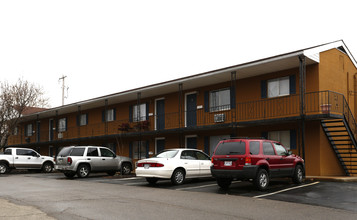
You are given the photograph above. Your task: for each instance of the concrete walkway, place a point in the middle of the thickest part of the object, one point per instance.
(13, 211)
(333, 178)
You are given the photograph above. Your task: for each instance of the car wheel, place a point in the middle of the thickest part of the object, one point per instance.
(151, 180)
(3, 168)
(178, 177)
(47, 167)
(262, 180)
(83, 171)
(298, 177)
(69, 174)
(224, 183)
(125, 169)
(111, 173)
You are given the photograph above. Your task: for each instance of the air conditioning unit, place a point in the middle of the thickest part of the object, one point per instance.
(219, 118)
(60, 135)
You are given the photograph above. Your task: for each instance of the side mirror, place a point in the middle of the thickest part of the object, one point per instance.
(289, 153)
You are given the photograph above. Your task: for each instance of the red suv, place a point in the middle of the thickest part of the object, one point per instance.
(254, 159)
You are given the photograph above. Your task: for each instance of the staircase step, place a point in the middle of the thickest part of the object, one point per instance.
(332, 121)
(337, 131)
(334, 126)
(339, 135)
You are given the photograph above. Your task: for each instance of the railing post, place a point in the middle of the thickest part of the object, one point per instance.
(302, 69)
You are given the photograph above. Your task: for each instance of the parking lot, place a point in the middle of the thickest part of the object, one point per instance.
(339, 195)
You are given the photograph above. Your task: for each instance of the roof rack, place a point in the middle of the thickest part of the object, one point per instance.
(263, 138)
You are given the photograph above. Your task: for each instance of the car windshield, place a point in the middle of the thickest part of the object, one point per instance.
(167, 154)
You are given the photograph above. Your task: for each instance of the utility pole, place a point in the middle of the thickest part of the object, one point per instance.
(63, 87)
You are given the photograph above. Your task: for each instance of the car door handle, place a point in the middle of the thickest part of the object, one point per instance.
(16, 157)
(281, 158)
(268, 158)
(103, 159)
(88, 158)
(29, 158)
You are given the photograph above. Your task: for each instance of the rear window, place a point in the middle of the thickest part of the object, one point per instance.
(231, 148)
(65, 152)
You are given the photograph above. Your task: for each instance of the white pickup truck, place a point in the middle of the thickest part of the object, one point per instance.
(24, 158)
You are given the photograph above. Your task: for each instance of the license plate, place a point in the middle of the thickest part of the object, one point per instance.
(146, 166)
(227, 163)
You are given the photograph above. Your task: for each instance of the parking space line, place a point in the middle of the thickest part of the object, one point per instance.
(203, 186)
(284, 190)
(130, 178)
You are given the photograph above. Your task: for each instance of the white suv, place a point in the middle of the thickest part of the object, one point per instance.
(82, 160)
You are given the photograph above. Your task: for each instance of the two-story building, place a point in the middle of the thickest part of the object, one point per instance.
(305, 99)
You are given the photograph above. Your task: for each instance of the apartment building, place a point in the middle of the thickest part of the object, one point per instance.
(305, 99)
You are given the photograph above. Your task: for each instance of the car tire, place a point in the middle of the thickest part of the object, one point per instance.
(83, 171)
(151, 180)
(298, 176)
(178, 177)
(47, 167)
(125, 169)
(224, 183)
(111, 173)
(69, 174)
(261, 181)
(4, 168)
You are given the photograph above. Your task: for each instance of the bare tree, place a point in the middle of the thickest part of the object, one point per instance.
(14, 100)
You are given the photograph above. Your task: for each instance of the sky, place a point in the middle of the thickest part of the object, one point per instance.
(105, 47)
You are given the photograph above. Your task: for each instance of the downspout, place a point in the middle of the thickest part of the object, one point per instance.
(302, 75)
(180, 107)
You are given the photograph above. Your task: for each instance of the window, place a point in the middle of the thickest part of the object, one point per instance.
(77, 152)
(62, 124)
(278, 87)
(26, 152)
(92, 152)
(254, 147)
(8, 151)
(220, 100)
(106, 153)
(281, 136)
(83, 119)
(139, 112)
(15, 131)
(188, 155)
(280, 150)
(231, 148)
(110, 115)
(202, 156)
(268, 148)
(28, 130)
(139, 149)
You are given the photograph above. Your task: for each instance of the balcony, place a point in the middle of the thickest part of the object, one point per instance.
(318, 105)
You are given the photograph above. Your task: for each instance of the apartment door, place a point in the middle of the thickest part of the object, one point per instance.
(160, 114)
(191, 106)
(160, 145)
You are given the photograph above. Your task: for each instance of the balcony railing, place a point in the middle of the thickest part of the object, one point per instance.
(322, 104)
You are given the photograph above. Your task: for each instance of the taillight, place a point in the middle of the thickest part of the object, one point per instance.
(248, 161)
(69, 160)
(150, 165)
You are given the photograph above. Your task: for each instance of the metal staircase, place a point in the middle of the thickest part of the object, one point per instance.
(343, 142)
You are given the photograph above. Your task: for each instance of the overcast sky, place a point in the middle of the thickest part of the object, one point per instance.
(104, 47)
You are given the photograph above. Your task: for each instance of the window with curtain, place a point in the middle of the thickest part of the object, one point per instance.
(28, 130)
(278, 87)
(62, 124)
(139, 112)
(281, 136)
(139, 149)
(110, 115)
(83, 119)
(220, 100)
